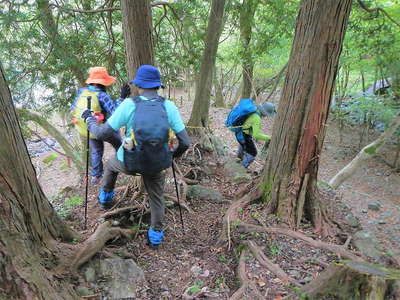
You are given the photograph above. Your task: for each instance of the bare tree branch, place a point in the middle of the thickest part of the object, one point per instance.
(377, 10)
(100, 10)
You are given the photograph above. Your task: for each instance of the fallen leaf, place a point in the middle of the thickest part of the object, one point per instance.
(278, 298)
(261, 283)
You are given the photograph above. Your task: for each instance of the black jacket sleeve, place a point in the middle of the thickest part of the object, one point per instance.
(184, 143)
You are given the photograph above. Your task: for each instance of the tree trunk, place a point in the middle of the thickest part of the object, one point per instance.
(137, 27)
(247, 12)
(28, 223)
(352, 280)
(201, 105)
(219, 88)
(365, 154)
(299, 129)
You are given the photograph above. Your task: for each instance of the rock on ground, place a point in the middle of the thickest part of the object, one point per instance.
(123, 276)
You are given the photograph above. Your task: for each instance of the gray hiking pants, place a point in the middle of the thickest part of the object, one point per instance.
(153, 184)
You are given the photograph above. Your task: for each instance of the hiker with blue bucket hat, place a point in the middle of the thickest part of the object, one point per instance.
(146, 149)
(245, 121)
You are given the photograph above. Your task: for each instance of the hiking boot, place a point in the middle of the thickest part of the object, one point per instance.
(95, 180)
(247, 160)
(154, 238)
(105, 199)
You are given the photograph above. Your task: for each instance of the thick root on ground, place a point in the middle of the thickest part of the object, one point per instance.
(93, 244)
(231, 214)
(267, 263)
(340, 250)
(248, 289)
(353, 280)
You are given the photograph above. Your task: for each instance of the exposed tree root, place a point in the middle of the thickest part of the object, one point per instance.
(182, 177)
(243, 227)
(231, 214)
(92, 245)
(248, 289)
(267, 263)
(182, 203)
(122, 210)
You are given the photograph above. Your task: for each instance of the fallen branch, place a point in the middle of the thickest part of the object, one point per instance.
(266, 262)
(243, 227)
(366, 153)
(55, 133)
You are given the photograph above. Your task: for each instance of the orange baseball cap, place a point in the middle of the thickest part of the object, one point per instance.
(100, 75)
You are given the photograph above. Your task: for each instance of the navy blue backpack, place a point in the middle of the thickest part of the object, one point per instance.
(239, 114)
(150, 126)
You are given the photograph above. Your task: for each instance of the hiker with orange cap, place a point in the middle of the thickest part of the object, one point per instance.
(102, 106)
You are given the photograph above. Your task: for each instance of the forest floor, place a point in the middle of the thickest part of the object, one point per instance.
(191, 261)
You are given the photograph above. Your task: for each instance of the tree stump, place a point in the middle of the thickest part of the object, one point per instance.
(353, 280)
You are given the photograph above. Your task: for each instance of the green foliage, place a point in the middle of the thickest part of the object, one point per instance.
(222, 259)
(274, 249)
(73, 202)
(48, 160)
(196, 287)
(375, 111)
(69, 204)
(64, 166)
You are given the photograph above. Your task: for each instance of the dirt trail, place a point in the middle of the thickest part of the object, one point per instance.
(191, 258)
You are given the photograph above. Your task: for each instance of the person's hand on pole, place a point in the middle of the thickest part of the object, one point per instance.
(87, 113)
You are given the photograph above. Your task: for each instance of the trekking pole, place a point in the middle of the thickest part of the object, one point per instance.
(89, 102)
(177, 194)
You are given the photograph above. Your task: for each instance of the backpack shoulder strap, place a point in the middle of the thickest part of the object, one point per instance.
(137, 99)
(160, 99)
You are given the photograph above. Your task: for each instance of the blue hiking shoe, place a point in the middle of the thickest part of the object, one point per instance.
(155, 238)
(247, 160)
(105, 199)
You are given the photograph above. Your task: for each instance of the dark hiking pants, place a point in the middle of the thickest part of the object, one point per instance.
(247, 146)
(153, 184)
(97, 151)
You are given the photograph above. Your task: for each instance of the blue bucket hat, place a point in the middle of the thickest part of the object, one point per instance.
(147, 77)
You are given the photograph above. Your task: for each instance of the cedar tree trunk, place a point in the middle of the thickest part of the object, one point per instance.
(137, 27)
(201, 105)
(290, 176)
(29, 225)
(246, 23)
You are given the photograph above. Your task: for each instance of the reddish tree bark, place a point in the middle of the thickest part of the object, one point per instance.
(290, 175)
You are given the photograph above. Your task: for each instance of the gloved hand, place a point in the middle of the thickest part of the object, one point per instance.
(125, 91)
(87, 113)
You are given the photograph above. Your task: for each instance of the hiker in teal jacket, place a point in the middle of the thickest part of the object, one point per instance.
(251, 128)
(148, 81)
